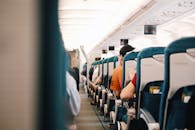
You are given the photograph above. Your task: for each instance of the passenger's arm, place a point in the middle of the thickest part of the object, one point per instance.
(128, 91)
(94, 84)
(98, 80)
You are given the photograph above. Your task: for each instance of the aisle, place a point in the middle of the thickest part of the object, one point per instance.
(87, 119)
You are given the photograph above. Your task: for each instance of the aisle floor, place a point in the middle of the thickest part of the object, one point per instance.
(87, 119)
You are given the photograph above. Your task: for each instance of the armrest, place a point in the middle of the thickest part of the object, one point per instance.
(110, 95)
(118, 102)
(99, 89)
(150, 121)
(153, 126)
(103, 90)
(147, 116)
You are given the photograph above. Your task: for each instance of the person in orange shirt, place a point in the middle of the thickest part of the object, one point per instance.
(116, 81)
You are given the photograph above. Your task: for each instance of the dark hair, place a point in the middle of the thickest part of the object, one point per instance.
(126, 49)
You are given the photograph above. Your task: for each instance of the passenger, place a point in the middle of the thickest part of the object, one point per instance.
(73, 73)
(95, 81)
(116, 81)
(73, 101)
(95, 78)
(95, 74)
(84, 71)
(84, 75)
(76, 69)
(91, 70)
(129, 91)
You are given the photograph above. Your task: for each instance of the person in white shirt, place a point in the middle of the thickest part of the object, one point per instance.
(73, 101)
(93, 84)
(95, 74)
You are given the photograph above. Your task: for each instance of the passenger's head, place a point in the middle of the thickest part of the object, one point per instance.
(123, 51)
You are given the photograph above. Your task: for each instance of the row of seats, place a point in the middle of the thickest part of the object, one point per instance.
(165, 82)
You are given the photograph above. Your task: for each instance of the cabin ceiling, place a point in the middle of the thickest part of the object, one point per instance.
(88, 22)
(169, 16)
(96, 24)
